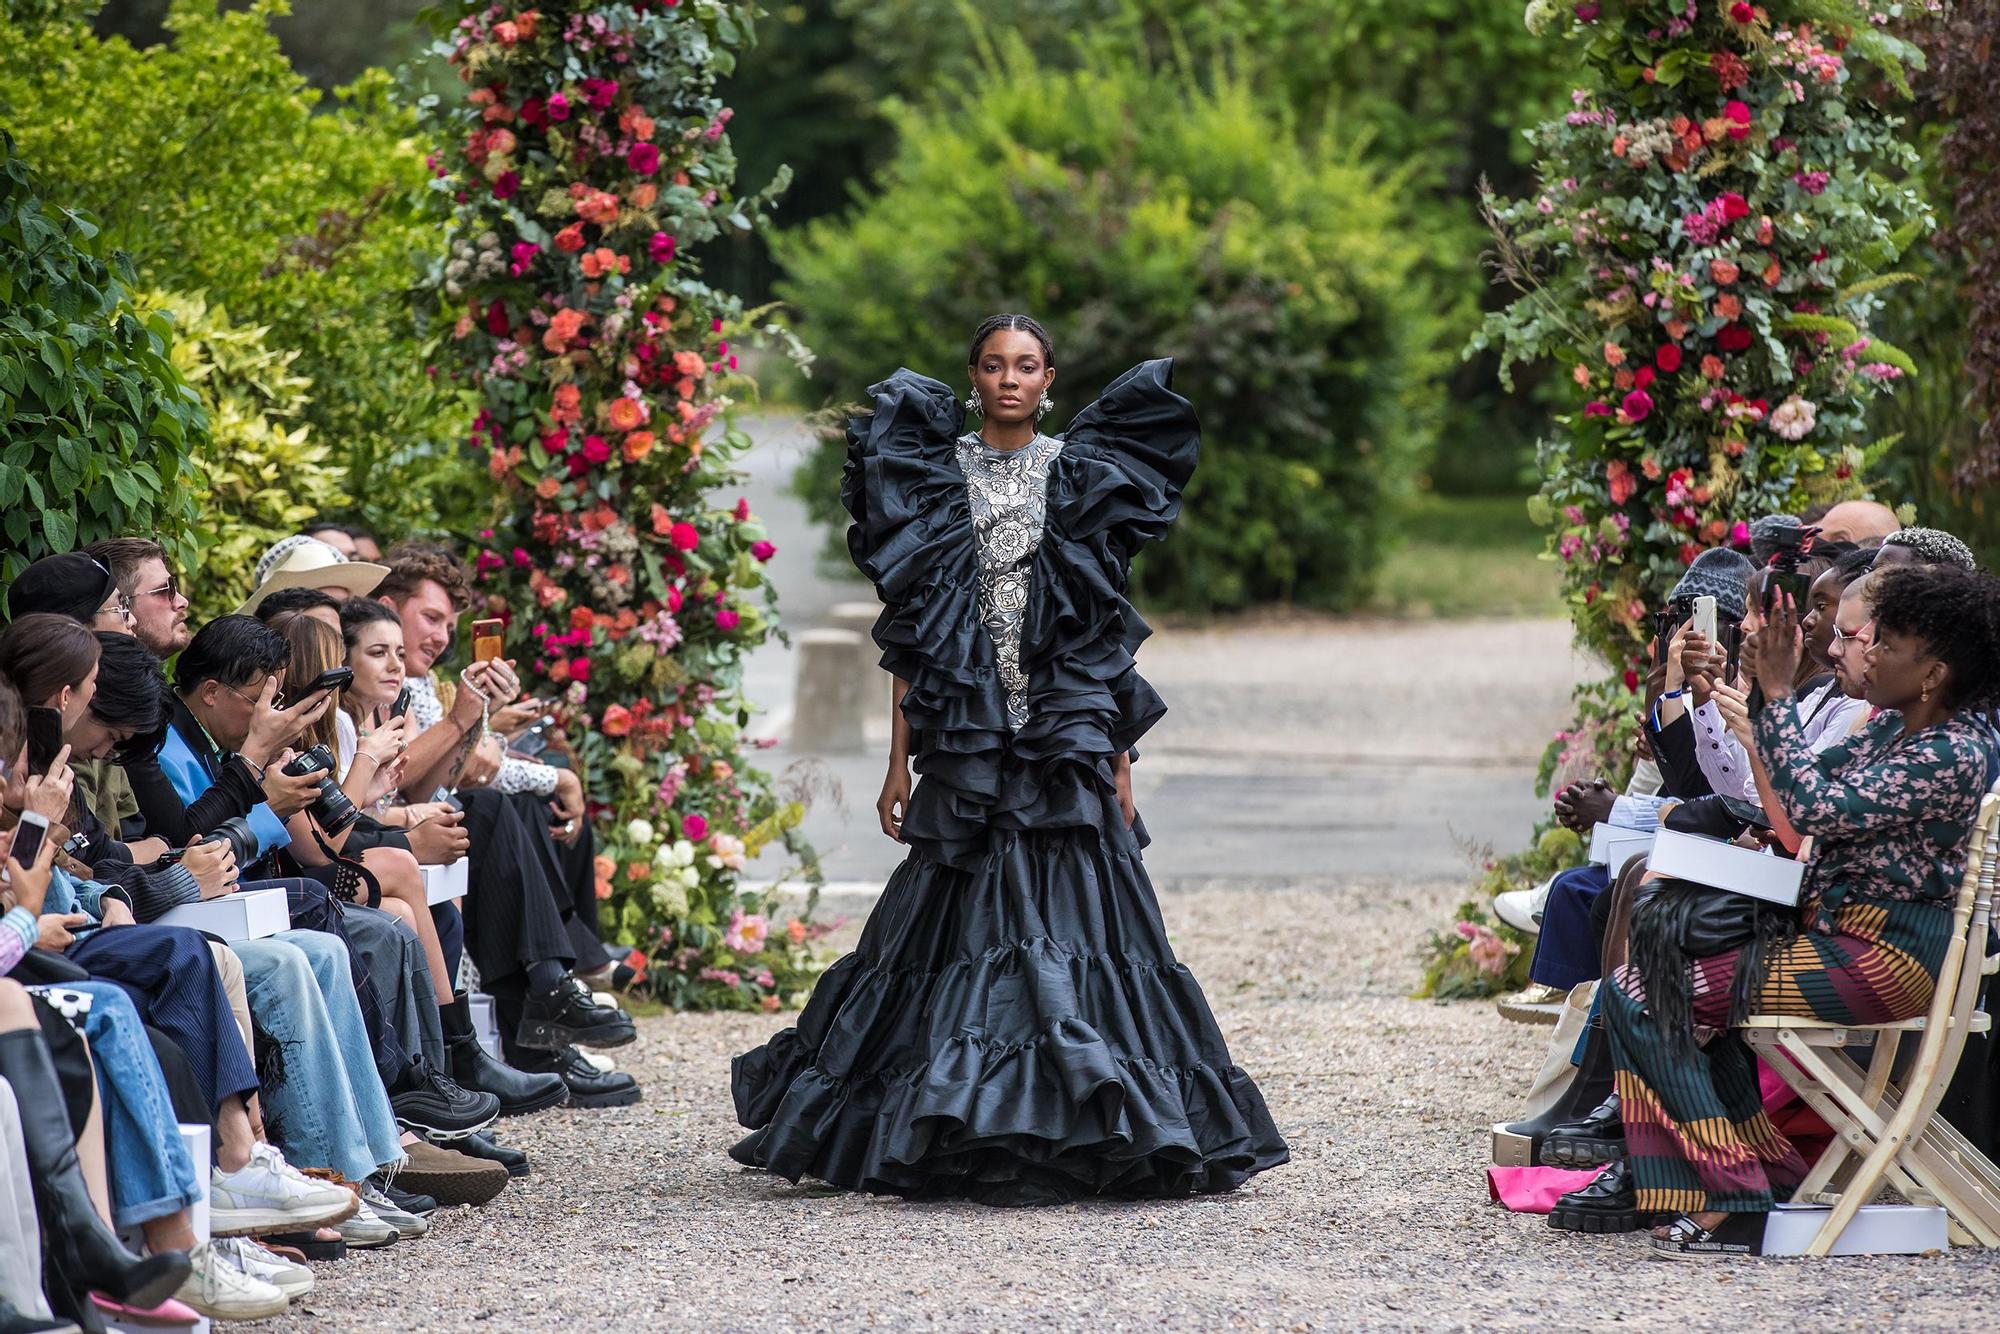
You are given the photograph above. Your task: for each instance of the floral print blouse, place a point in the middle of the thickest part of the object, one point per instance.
(1890, 814)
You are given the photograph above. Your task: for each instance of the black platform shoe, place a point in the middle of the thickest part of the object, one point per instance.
(473, 1067)
(1596, 1138)
(1607, 1204)
(481, 1146)
(588, 1086)
(567, 1016)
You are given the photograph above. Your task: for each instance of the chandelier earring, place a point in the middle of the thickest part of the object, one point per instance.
(974, 404)
(1046, 406)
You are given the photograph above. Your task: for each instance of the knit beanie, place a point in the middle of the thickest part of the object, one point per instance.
(1722, 574)
(71, 585)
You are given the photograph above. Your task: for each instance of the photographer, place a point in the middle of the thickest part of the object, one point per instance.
(531, 913)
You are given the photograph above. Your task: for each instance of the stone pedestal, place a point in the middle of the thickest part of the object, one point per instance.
(835, 685)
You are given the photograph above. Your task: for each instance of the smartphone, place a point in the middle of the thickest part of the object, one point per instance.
(333, 678)
(1786, 581)
(28, 838)
(486, 640)
(45, 738)
(402, 704)
(1704, 618)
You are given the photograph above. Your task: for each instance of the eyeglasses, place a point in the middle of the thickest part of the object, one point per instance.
(120, 607)
(169, 590)
(1860, 638)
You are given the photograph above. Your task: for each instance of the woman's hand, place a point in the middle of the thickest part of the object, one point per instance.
(1121, 780)
(29, 885)
(1773, 653)
(48, 794)
(1734, 706)
(386, 779)
(894, 802)
(384, 743)
(518, 717)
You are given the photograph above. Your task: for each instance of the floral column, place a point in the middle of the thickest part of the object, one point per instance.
(588, 155)
(1716, 215)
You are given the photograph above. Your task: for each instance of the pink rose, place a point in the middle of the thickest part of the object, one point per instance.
(596, 448)
(507, 186)
(643, 158)
(660, 248)
(763, 550)
(1637, 405)
(558, 107)
(685, 537)
(579, 669)
(727, 619)
(694, 828)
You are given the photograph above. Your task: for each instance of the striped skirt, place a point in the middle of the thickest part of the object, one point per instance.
(1695, 1130)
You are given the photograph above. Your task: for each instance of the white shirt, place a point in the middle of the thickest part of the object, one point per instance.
(516, 775)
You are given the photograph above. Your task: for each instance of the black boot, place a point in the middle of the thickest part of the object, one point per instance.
(1589, 1086)
(431, 1102)
(474, 1067)
(80, 1245)
(480, 1146)
(1607, 1204)
(1595, 1138)
(567, 1017)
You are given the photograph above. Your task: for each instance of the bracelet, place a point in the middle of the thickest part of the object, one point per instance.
(1673, 694)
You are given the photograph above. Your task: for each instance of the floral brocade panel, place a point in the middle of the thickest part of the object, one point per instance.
(1008, 492)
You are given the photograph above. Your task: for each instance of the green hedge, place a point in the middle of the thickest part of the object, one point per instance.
(1139, 215)
(96, 428)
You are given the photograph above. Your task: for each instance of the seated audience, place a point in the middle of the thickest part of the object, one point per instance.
(1890, 808)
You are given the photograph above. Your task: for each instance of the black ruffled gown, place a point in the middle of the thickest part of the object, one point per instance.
(1013, 1027)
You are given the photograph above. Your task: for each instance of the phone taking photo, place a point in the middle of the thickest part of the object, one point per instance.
(1703, 622)
(45, 738)
(28, 836)
(333, 678)
(487, 639)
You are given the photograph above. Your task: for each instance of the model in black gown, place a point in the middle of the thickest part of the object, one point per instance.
(1013, 1027)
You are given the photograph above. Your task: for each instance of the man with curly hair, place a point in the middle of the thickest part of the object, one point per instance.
(1924, 546)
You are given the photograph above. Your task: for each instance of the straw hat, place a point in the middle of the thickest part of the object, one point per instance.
(307, 562)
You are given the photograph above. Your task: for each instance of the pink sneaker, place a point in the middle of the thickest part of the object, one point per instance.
(169, 1314)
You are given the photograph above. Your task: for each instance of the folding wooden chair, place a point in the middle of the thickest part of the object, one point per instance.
(1885, 1131)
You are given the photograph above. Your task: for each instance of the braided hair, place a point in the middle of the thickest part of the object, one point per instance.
(994, 324)
(1956, 613)
(1933, 546)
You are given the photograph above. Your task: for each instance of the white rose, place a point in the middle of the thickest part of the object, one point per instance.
(640, 831)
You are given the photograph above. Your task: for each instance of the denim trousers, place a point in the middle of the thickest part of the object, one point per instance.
(151, 1173)
(324, 1105)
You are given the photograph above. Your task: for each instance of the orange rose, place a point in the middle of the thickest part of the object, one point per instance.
(627, 414)
(795, 931)
(598, 206)
(559, 671)
(617, 720)
(1771, 272)
(570, 239)
(564, 326)
(638, 445)
(604, 866)
(637, 871)
(525, 21)
(644, 193)
(1728, 306)
(770, 1004)
(548, 488)
(689, 363)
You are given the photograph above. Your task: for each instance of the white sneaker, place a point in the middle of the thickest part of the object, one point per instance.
(221, 1291)
(597, 1061)
(288, 1277)
(268, 1194)
(1522, 908)
(606, 999)
(364, 1231)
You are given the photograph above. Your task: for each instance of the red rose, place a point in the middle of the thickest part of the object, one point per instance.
(534, 111)
(1742, 13)
(1733, 206)
(1637, 405)
(1631, 679)
(496, 319)
(596, 448)
(507, 186)
(1642, 377)
(685, 536)
(1668, 358)
(1738, 116)
(1733, 337)
(579, 669)
(643, 158)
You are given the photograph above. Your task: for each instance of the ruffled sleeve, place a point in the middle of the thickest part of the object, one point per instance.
(901, 482)
(1126, 459)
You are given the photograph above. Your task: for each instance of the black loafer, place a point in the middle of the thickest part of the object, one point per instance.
(1607, 1204)
(1595, 1139)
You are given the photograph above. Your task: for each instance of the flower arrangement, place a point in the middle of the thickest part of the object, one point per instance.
(1702, 260)
(587, 156)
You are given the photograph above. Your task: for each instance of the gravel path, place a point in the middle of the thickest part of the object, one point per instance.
(636, 1218)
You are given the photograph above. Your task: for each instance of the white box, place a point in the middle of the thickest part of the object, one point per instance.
(485, 1023)
(1611, 845)
(247, 914)
(444, 883)
(1719, 865)
(1877, 1229)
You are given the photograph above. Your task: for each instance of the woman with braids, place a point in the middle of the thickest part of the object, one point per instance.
(1890, 809)
(1013, 1027)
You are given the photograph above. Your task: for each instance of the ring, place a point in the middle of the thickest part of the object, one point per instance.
(569, 826)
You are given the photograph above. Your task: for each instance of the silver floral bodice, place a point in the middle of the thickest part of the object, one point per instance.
(1008, 490)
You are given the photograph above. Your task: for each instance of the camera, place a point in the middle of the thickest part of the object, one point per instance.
(331, 809)
(240, 838)
(1791, 547)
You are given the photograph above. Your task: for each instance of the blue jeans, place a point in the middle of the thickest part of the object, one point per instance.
(151, 1173)
(324, 1105)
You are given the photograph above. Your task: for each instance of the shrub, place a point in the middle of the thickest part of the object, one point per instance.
(98, 428)
(263, 477)
(1138, 214)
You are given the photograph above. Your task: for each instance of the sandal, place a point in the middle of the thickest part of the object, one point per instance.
(1738, 1234)
(320, 1244)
